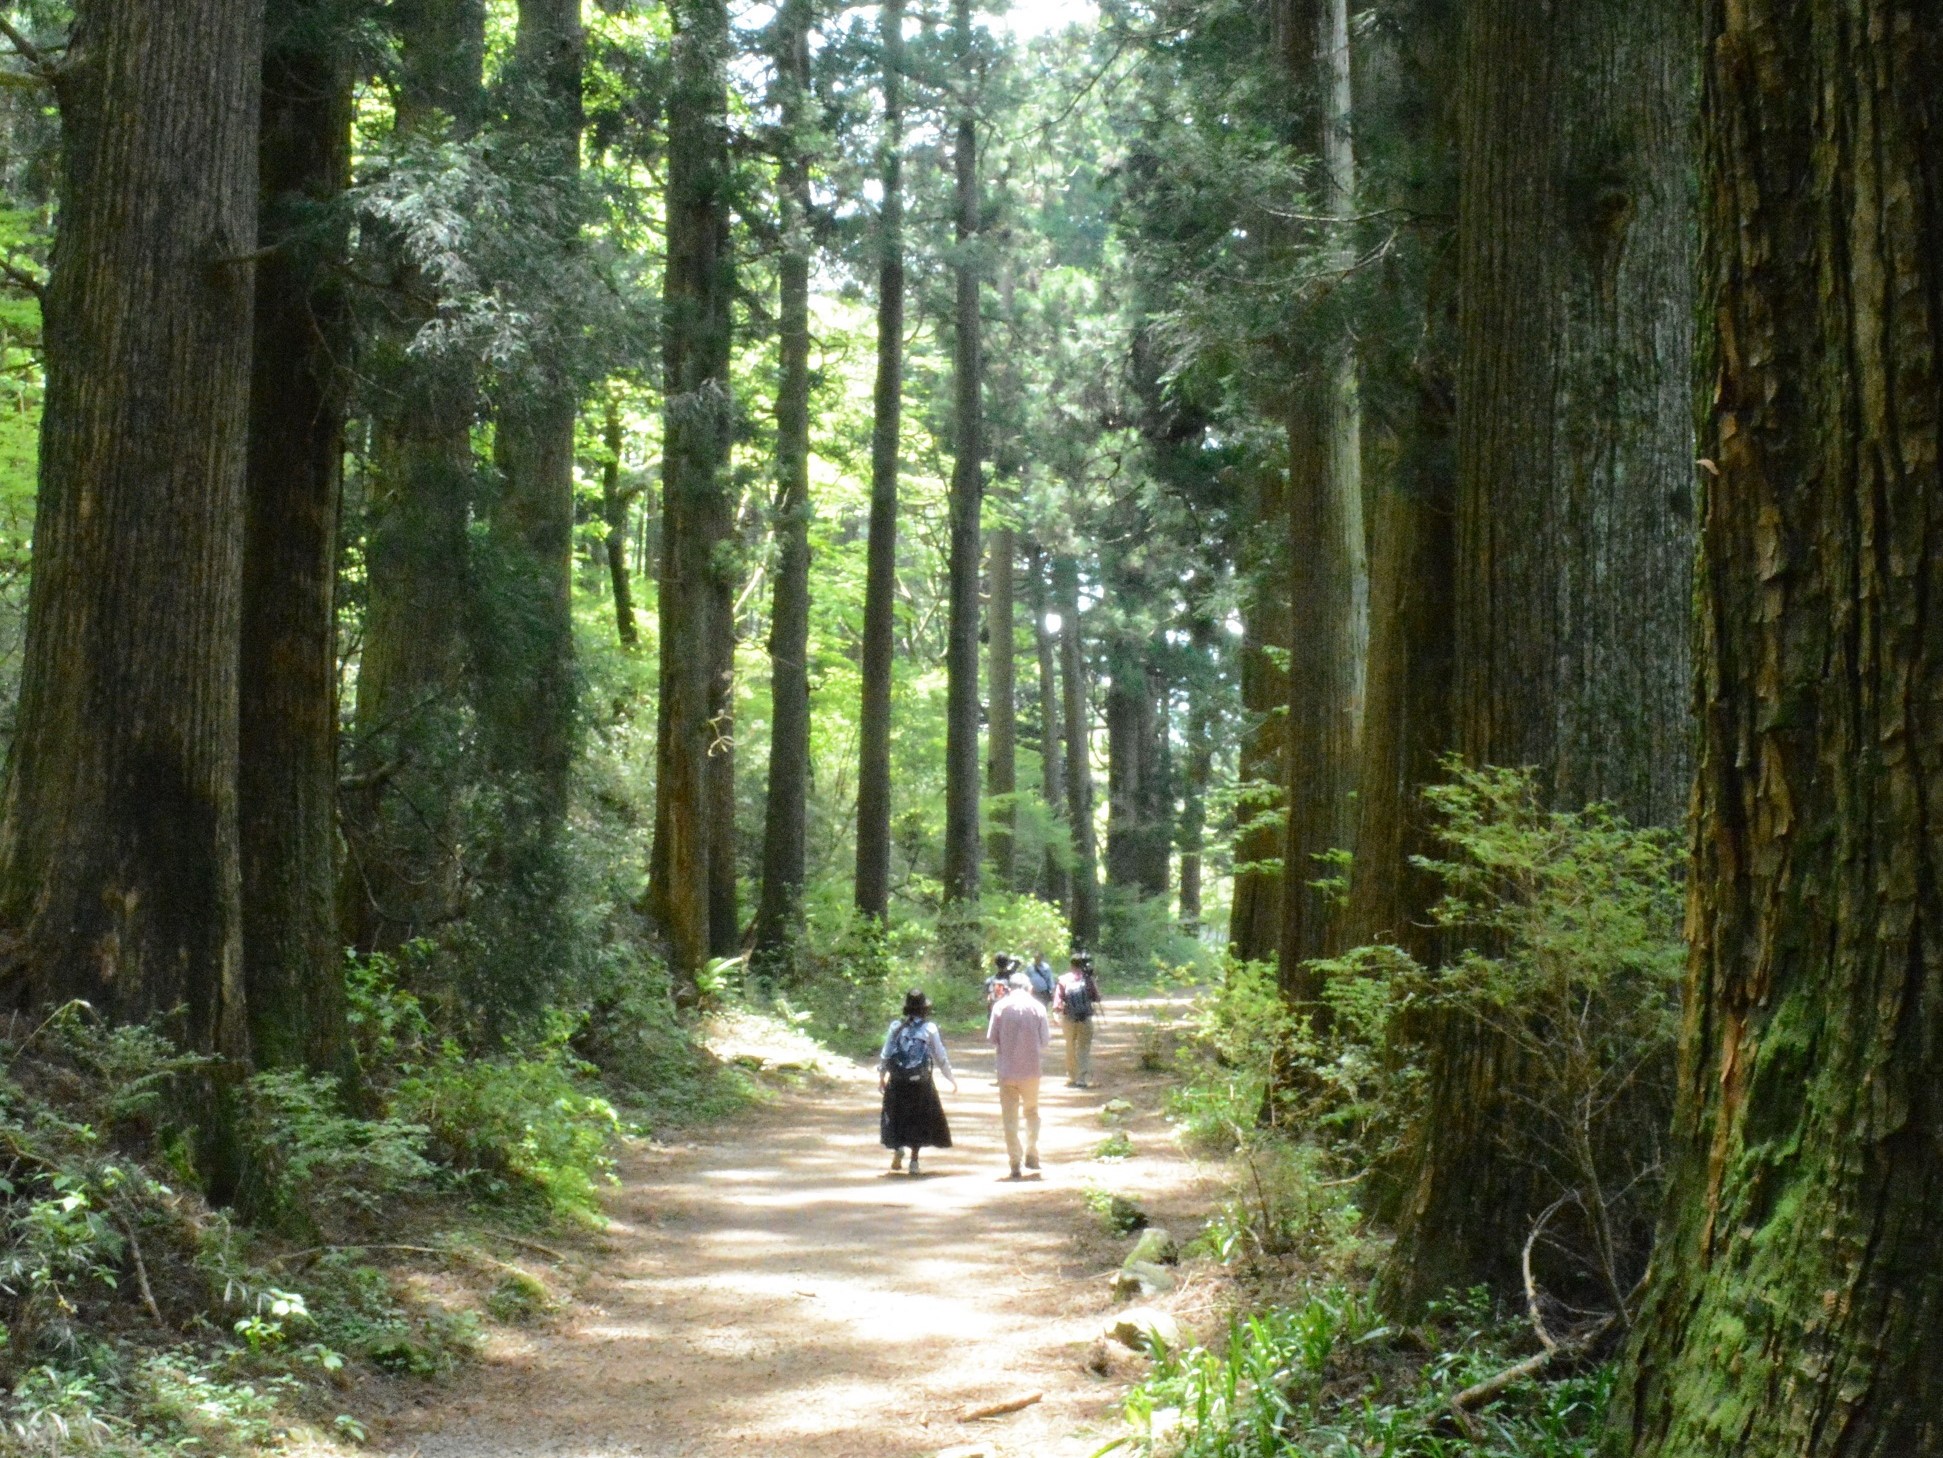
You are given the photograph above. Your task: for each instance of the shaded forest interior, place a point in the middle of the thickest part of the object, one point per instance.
(1425, 516)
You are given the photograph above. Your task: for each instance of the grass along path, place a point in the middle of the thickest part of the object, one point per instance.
(771, 1289)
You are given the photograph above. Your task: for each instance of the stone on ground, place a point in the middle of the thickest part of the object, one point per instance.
(1140, 1327)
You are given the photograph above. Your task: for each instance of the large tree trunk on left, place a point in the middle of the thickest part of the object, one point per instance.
(1574, 484)
(119, 853)
(786, 813)
(961, 849)
(697, 294)
(1796, 1295)
(287, 755)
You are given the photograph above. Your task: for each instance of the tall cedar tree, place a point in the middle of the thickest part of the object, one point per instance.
(1198, 776)
(696, 512)
(967, 488)
(526, 652)
(873, 886)
(614, 505)
(786, 817)
(1328, 568)
(287, 744)
(1574, 483)
(1079, 754)
(1255, 912)
(401, 878)
(1002, 730)
(1055, 876)
(1796, 1296)
(119, 854)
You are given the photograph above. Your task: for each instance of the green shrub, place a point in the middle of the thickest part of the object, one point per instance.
(321, 1169)
(1120, 1214)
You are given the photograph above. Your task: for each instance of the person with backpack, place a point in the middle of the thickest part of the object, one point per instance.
(913, 1116)
(1076, 1000)
(999, 983)
(1041, 978)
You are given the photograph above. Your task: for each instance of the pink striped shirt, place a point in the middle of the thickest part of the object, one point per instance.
(1020, 1030)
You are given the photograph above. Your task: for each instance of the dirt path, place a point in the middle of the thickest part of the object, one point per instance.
(773, 1290)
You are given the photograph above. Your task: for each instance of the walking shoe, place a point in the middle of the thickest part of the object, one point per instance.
(914, 1161)
(1032, 1161)
(897, 1160)
(1015, 1173)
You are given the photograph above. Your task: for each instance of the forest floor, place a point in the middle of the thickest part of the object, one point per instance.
(769, 1288)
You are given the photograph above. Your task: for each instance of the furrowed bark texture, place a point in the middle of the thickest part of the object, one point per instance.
(119, 851)
(1796, 1294)
(401, 877)
(1255, 917)
(1328, 563)
(1079, 755)
(614, 504)
(287, 743)
(1574, 483)
(967, 489)
(873, 885)
(786, 823)
(1198, 773)
(526, 653)
(1002, 732)
(696, 513)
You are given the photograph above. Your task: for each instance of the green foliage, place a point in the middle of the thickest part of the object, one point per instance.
(319, 1168)
(1228, 1061)
(1325, 1378)
(1116, 1146)
(1120, 1214)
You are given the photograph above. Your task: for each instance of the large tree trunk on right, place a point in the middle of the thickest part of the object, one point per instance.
(1574, 479)
(119, 853)
(873, 885)
(961, 845)
(287, 741)
(1079, 755)
(785, 814)
(698, 288)
(1796, 1296)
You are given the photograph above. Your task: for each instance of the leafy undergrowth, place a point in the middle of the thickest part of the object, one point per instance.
(1326, 1377)
(368, 1239)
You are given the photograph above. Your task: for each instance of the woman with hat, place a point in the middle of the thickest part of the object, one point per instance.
(913, 1116)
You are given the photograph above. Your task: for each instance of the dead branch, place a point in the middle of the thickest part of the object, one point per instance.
(1000, 1409)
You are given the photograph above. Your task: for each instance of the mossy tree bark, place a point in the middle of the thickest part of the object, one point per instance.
(1574, 485)
(786, 814)
(873, 884)
(1796, 1297)
(119, 853)
(1255, 915)
(697, 295)
(287, 735)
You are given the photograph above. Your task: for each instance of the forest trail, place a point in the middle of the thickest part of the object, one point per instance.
(772, 1289)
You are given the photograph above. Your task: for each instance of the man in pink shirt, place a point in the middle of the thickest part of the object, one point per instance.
(1020, 1031)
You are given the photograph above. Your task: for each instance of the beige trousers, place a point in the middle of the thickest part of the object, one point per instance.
(1079, 1049)
(1016, 1096)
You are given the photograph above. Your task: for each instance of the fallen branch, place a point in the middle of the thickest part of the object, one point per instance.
(1000, 1409)
(1479, 1393)
(141, 1269)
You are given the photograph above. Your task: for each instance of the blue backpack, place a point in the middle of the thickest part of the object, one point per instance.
(910, 1053)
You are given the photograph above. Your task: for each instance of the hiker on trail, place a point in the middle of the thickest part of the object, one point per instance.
(1077, 1001)
(1040, 975)
(913, 1117)
(1020, 1031)
(999, 983)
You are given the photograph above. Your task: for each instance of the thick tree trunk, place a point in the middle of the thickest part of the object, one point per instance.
(961, 855)
(873, 886)
(401, 877)
(1574, 476)
(1193, 823)
(1079, 755)
(1002, 715)
(1328, 566)
(614, 505)
(697, 293)
(287, 742)
(1155, 802)
(1126, 751)
(119, 852)
(786, 823)
(1055, 876)
(1255, 917)
(1796, 1296)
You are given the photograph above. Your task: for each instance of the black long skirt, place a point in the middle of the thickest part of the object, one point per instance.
(913, 1117)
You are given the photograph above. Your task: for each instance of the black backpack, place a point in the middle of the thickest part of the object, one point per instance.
(910, 1053)
(1077, 1002)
